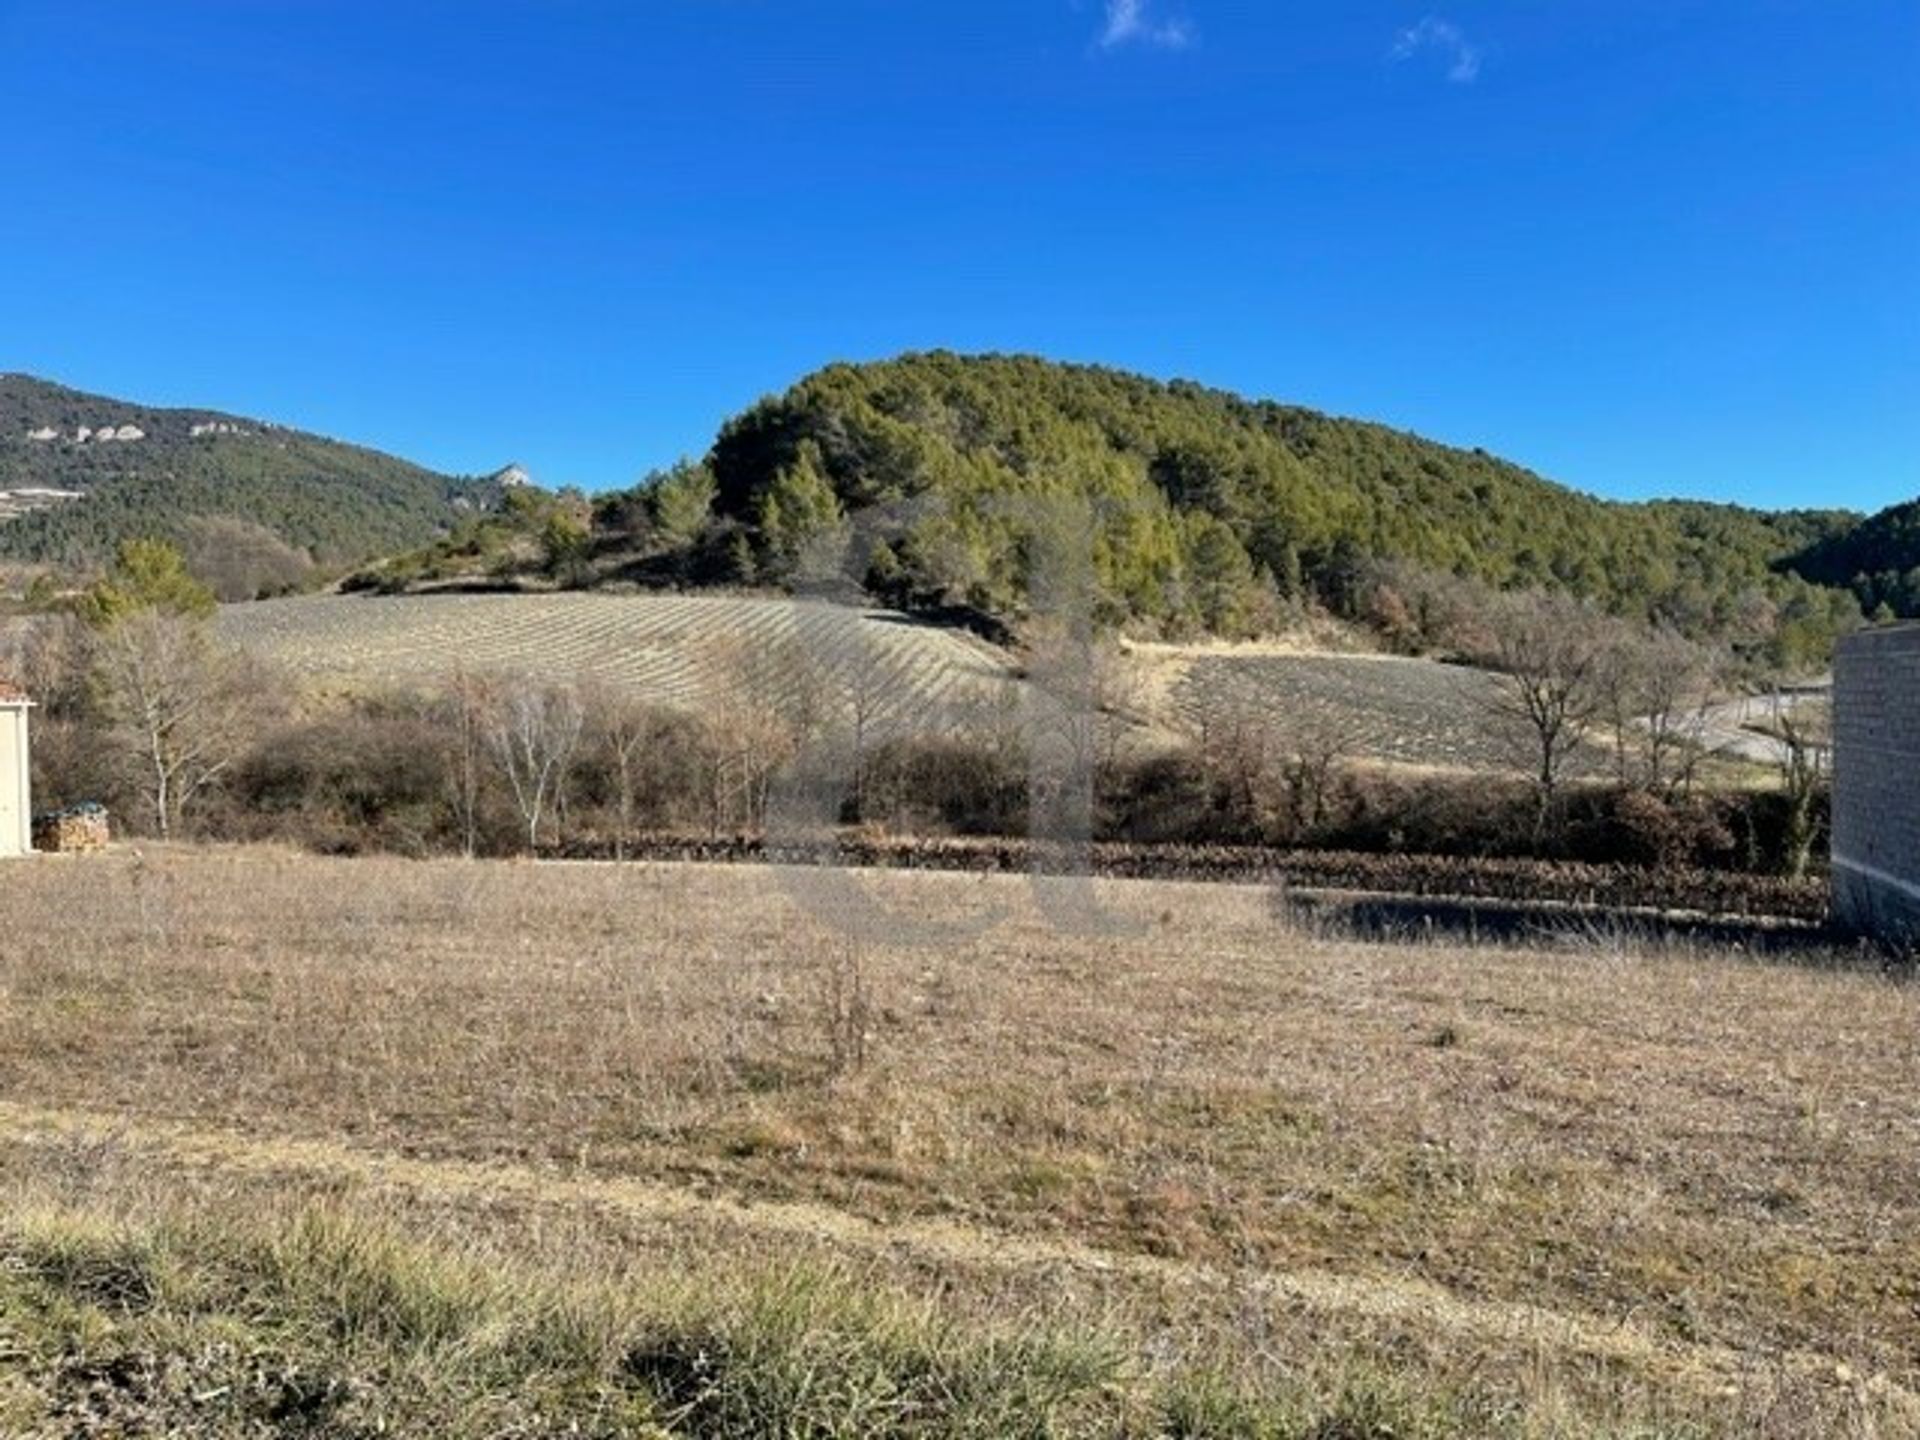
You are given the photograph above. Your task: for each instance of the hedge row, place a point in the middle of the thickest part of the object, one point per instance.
(1672, 888)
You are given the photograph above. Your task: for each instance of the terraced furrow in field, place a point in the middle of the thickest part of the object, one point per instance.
(689, 651)
(1382, 708)
(679, 650)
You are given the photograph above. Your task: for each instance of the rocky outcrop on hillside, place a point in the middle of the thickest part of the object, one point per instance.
(88, 434)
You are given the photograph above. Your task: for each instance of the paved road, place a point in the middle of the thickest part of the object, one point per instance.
(1724, 729)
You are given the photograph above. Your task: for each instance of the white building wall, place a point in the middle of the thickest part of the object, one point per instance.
(16, 803)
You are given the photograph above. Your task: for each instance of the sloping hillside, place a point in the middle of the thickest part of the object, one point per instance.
(1879, 560)
(1210, 504)
(88, 471)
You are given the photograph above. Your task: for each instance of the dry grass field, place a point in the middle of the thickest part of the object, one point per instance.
(361, 1147)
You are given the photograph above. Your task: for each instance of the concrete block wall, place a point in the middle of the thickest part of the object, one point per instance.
(1876, 783)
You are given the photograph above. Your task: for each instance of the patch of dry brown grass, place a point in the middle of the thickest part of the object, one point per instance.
(1615, 1182)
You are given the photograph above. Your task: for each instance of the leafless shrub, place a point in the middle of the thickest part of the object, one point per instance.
(1241, 757)
(949, 783)
(354, 778)
(847, 1009)
(240, 560)
(1421, 610)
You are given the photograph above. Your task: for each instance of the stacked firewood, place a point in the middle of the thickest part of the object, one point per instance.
(76, 830)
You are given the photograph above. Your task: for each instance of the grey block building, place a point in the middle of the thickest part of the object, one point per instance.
(1876, 783)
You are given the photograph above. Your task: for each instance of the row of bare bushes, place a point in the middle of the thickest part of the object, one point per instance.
(1565, 882)
(504, 769)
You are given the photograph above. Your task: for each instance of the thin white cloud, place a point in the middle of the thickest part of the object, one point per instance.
(1132, 22)
(1445, 39)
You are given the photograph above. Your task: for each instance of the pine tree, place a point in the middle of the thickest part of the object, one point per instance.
(797, 507)
(147, 575)
(1222, 577)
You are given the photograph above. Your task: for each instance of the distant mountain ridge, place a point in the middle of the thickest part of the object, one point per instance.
(80, 472)
(1213, 504)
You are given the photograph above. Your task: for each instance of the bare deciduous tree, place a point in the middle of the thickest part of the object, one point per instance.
(181, 708)
(468, 706)
(1549, 683)
(47, 656)
(1317, 748)
(1275, 773)
(1091, 697)
(1240, 753)
(1657, 686)
(1806, 741)
(859, 686)
(624, 730)
(766, 701)
(534, 731)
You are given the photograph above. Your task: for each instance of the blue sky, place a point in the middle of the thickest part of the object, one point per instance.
(1646, 248)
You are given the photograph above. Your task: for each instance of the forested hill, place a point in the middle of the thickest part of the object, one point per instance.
(144, 471)
(1879, 559)
(1216, 501)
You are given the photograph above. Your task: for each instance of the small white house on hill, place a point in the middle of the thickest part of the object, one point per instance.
(16, 800)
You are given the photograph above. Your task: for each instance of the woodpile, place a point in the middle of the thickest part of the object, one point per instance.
(78, 830)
